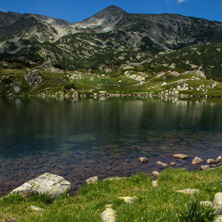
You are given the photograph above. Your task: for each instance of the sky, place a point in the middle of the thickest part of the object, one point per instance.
(78, 10)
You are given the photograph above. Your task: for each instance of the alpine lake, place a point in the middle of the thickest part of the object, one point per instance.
(103, 137)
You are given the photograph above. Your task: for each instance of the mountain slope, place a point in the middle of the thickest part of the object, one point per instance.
(112, 36)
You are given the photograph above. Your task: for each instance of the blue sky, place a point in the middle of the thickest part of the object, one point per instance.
(75, 11)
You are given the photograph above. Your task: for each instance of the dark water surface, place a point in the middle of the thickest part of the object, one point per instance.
(80, 139)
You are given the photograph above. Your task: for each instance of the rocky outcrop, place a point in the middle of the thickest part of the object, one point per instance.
(34, 78)
(47, 183)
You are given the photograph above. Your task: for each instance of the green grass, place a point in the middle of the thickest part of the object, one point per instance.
(162, 203)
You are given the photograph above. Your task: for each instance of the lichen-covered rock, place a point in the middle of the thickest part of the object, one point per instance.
(37, 209)
(218, 200)
(50, 184)
(34, 77)
(188, 191)
(197, 160)
(109, 215)
(128, 199)
(206, 203)
(154, 183)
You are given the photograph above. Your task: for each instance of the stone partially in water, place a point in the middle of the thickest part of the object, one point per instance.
(219, 159)
(92, 180)
(162, 164)
(197, 160)
(47, 183)
(155, 173)
(181, 156)
(204, 167)
(143, 159)
(211, 161)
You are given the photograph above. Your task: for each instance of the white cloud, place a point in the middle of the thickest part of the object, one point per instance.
(2, 10)
(180, 1)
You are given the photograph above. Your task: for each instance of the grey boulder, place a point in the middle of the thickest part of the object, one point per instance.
(47, 183)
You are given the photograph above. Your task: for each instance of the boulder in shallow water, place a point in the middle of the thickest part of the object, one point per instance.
(197, 160)
(162, 164)
(180, 156)
(143, 159)
(219, 159)
(47, 183)
(211, 161)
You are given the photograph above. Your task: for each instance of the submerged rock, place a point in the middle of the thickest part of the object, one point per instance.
(50, 184)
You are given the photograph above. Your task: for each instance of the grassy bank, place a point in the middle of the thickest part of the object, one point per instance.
(161, 203)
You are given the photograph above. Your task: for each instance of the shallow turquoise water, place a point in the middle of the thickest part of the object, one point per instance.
(79, 139)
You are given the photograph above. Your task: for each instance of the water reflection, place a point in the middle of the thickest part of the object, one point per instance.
(79, 139)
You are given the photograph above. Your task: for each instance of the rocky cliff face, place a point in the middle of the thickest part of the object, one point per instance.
(110, 36)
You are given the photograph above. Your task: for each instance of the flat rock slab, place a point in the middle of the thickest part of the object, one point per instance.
(128, 199)
(181, 156)
(109, 215)
(188, 191)
(162, 164)
(197, 160)
(50, 184)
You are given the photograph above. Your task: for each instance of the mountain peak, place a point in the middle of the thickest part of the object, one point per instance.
(105, 20)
